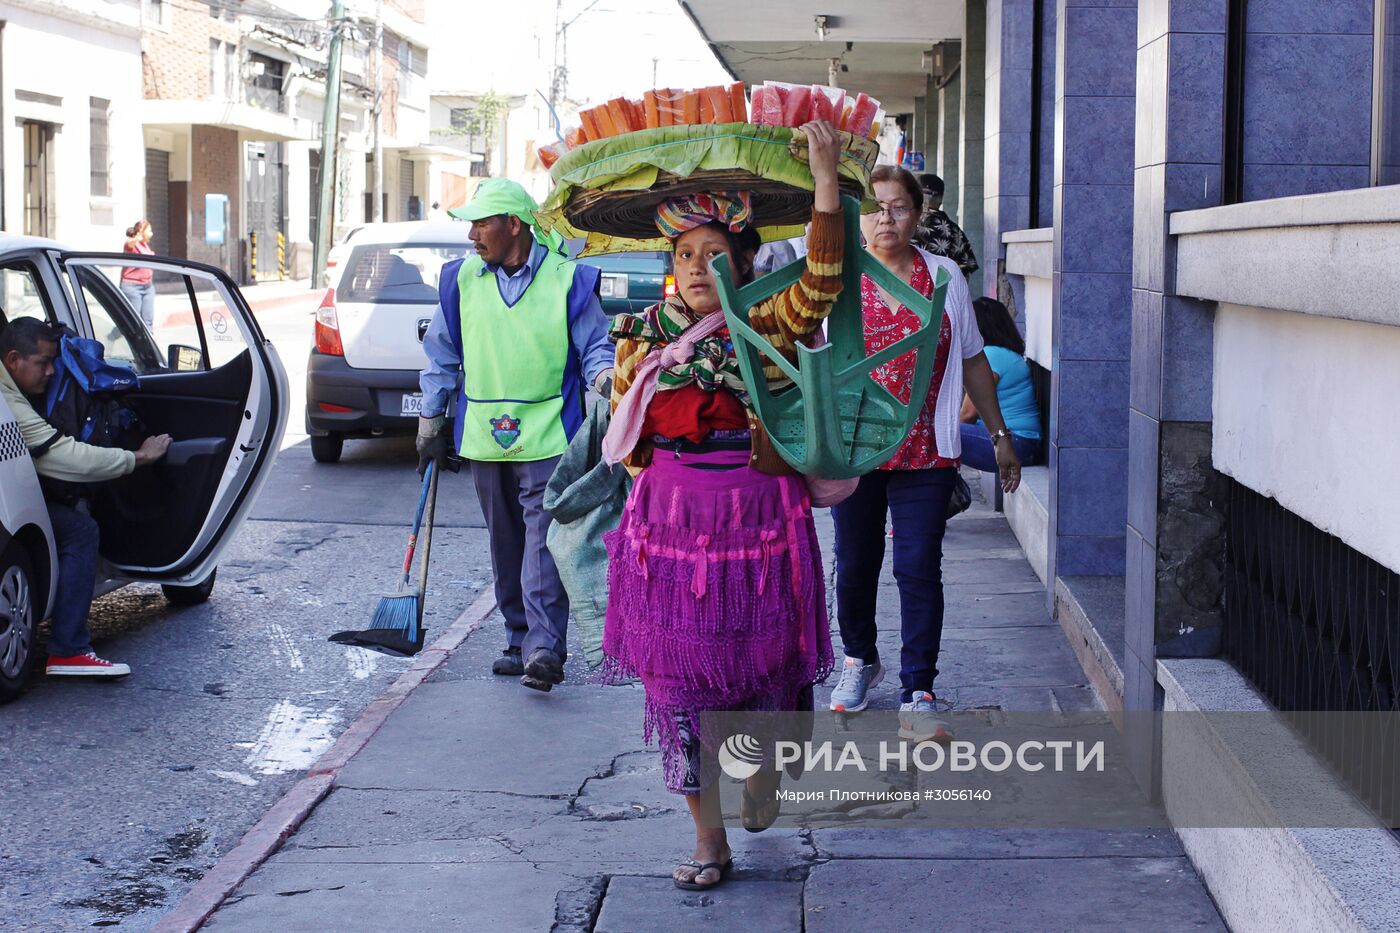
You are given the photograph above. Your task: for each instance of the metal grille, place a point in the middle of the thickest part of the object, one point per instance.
(11, 442)
(1315, 625)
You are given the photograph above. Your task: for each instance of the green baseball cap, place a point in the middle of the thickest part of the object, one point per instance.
(497, 196)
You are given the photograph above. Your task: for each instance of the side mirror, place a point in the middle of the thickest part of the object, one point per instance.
(184, 359)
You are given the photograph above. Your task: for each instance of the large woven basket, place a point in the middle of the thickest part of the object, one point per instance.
(607, 191)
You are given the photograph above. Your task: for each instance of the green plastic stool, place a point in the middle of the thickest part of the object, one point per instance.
(835, 421)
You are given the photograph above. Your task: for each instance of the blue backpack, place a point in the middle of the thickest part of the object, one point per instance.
(83, 401)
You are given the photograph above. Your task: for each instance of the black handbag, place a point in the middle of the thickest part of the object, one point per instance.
(961, 499)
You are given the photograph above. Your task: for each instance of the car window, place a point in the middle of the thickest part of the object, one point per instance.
(188, 331)
(385, 273)
(20, 294)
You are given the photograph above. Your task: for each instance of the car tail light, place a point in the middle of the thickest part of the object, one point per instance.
(669, 290)
(327, 406)
(328, 327)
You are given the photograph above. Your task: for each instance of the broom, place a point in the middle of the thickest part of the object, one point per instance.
(397, 625)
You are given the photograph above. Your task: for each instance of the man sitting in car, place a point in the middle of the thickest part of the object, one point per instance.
(27, 348)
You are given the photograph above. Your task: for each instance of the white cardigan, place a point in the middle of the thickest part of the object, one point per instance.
(966, 343)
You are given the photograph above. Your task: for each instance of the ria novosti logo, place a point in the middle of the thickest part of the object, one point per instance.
(740, 756)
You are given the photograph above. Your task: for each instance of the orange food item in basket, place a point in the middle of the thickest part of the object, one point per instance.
(653, 111)
(590, 125)
(669, 106)
(548, 155)
(718, 99)
(738, 106)
(621, 113)
(575, 137)
(605, 121)
(707, 106)
(690, 107)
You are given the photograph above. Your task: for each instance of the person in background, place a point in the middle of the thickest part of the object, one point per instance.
(1006, 352)
(518, 335)
(136, 283)
(28, 347)
(914, 485)
(937, 233)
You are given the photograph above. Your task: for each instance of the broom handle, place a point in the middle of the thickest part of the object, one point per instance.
(429, 479)
(427, 546)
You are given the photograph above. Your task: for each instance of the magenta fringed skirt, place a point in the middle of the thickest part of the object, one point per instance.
(716, 598)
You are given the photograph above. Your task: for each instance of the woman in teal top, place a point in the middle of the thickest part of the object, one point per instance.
(1006, 352)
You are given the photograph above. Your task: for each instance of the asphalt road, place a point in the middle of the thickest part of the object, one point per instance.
(116, 797)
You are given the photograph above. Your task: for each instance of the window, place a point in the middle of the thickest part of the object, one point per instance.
(20, 295)
(413, 64)
(156, 13)
(223, 70)
(198, 331)
(266, 82)
(98, 118)
(395, 275)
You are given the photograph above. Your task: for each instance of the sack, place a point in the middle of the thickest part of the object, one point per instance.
(961, 498)
(82, 402)
(586, 497)
(825, 493)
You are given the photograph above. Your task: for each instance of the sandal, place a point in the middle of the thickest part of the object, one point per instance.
(702, 867)
(752, 805)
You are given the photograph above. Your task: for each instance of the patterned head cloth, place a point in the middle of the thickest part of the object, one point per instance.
(678, 215)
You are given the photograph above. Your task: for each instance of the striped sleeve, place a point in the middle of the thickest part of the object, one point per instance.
(796, 313)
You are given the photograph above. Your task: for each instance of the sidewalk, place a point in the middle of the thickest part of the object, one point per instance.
(480, 805)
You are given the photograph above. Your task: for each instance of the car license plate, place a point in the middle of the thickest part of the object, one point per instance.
(613, 286)
(412, 403)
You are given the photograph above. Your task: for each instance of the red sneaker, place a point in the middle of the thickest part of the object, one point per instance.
(84, 665)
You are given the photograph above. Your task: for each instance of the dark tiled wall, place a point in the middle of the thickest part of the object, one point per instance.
(1095, 106)
(1045, 156)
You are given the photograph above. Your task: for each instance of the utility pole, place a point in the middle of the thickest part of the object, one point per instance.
(330, 137)
(377, 211)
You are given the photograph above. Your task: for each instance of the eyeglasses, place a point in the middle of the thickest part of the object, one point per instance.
(896, 212)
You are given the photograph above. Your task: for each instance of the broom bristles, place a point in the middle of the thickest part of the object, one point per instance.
(397, 612)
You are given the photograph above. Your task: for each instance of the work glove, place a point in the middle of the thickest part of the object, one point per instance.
(603, 383)
(432, 444)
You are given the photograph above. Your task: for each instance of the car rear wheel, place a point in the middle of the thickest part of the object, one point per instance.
(190, 595)
(16, 620)
(326, 448)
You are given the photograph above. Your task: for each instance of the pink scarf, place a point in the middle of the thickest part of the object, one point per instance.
(625, 429)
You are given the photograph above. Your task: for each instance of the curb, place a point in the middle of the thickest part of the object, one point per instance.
(281, 821)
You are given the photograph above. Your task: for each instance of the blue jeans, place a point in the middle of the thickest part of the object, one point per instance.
(978, 452)
(142, 299)
(75, 537)
(917, 501)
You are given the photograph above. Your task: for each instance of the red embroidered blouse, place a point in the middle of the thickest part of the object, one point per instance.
(882, 328)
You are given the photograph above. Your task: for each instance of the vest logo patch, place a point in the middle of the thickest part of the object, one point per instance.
(505, 430)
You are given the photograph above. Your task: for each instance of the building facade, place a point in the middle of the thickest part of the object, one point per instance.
(1192, 208)
(70, 136)
(234, 103)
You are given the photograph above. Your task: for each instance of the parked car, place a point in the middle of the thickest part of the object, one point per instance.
(217, 387)
(633, 281)
(337, 255)
(362, 377)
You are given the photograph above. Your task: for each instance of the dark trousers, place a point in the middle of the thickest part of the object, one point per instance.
(917, 503)
(528, 590)
(979, 453)
(75, 538)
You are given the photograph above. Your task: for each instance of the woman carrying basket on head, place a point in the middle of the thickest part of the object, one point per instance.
(716, 596)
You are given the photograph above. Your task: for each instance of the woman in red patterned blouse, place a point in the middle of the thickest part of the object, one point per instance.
(914, 486)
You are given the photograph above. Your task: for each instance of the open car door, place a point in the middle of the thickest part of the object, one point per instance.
(208, 378)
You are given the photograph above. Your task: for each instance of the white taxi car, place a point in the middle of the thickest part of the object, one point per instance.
(207, 377)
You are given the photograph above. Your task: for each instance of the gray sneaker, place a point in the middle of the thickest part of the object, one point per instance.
(857, 677)
(919, 722)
